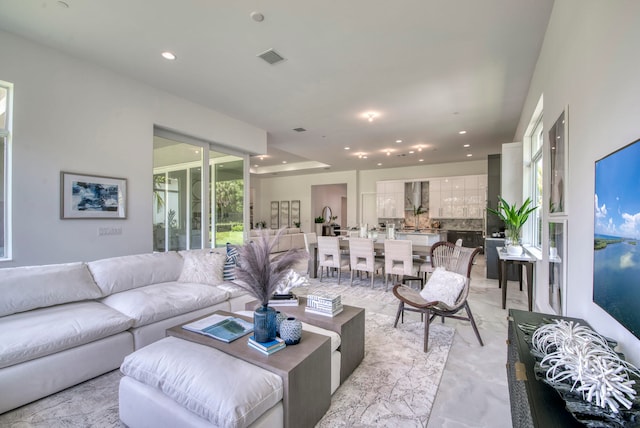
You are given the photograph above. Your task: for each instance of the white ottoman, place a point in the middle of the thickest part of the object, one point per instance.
(174, 382)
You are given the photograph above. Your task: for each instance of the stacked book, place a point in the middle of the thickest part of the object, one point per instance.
(288, 299)
(267, 348)
(322, 303)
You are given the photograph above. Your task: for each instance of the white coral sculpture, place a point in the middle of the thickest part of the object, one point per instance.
(291, 280)
(580, 356)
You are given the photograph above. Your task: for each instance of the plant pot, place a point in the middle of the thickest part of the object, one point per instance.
(264, 324)
(553, 252)
(514, 250)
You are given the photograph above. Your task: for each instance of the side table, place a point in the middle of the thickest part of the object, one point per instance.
(525, 260)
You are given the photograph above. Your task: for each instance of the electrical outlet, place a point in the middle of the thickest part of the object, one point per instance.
(102, 231)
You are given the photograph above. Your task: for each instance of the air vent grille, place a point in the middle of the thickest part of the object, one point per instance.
(271, 56)
(299, 129)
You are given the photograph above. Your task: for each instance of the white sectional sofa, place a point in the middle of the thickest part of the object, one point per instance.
(291, 238)
(63, 324)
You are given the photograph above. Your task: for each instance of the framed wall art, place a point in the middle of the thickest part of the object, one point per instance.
(92, 196)
(558, 146)
(275, 213)
(295, 213)
(284, 214)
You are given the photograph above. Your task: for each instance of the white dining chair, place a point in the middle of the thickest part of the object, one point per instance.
(362, 257)
(399, 261)
(329, 255)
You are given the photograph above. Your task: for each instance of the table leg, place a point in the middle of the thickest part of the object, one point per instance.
(529, 267)
(313, 263)
(519, 267)
(503, 282)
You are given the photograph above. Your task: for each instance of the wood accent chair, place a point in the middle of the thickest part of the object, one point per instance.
(399, 261)
(442, 259)
(453, 259)
(363, 257)
(330, 256)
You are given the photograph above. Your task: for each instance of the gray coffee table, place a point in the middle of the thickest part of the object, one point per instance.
(349, 324)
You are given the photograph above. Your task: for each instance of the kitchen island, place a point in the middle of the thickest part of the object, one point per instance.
(423, 236)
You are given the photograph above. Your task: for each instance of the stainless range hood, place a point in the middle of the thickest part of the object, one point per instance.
(413, 194)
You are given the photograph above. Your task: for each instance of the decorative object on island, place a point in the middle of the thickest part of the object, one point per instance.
(416, 214)
(514, 218)
(319, 221)
(291, 331)
(260, 276)
(583, 368)
(323, 303)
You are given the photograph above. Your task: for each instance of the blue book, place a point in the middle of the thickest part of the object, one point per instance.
(252, 344)
(221, 327)
(266, 345)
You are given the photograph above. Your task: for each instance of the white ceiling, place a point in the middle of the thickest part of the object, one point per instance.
(429, 68)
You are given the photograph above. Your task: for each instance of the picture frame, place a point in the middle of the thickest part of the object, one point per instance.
(84, 196)
(558, 155)
(295, 212)
(284, 214)
(275, 215)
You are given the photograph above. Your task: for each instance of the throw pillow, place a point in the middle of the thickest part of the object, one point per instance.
(202, 267)
(443, 286)
(229, 273)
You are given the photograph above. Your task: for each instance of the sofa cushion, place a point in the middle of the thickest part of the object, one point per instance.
(124, 273)
(225, 390)
(443, 286)
(202, 267)
(40, 332)
(232, 289)
(31, 287)
(158, 302)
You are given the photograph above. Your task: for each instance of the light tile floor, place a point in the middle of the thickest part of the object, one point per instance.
(473, 391)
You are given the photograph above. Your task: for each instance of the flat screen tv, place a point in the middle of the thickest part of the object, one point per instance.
(616, 255)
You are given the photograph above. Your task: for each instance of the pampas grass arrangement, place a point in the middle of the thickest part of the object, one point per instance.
(260, 274)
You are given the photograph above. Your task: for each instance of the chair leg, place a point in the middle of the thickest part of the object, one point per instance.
(400, 311)
(321, 272)
(339, 272)
(351, 277)
(426, 330)
(373, 275)
(473, 323)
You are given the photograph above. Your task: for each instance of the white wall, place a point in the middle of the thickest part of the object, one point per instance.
(511, 173)
(589, 62)
(70, 115)
(269, 189)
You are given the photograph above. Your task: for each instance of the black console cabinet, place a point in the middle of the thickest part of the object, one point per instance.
(533, 402)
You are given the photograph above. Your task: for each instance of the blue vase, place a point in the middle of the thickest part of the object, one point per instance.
(264, 324)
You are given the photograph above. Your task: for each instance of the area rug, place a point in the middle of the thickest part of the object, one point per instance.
(395, 385)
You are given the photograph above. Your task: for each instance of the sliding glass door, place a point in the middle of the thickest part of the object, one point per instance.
(184, 189)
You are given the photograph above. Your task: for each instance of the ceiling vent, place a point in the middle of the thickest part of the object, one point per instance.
(271, 56)
(299, 129)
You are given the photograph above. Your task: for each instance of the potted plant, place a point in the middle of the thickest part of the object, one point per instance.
(319, 221)
(261, 275)
(514, 218)
(416, 214)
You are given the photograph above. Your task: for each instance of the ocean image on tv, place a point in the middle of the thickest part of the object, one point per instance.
(616, 259)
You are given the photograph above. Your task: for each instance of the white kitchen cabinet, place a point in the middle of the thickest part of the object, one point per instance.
(457, 197)
(390, 199)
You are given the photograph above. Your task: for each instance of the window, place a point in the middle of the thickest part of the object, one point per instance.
(536, 180)
(5, 163)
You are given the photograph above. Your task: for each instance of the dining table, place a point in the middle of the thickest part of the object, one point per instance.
(423, 251)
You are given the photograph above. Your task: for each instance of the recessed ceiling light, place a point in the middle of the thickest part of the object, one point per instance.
(462, 132)
(347, 148)
(364, 157)
(398, 141)
(379, 163)
(411, 152)
(467, 145)
(370, 115)
(168, 55)
(284, 161)
(469, 155)
(421, 160)
(255, 166)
